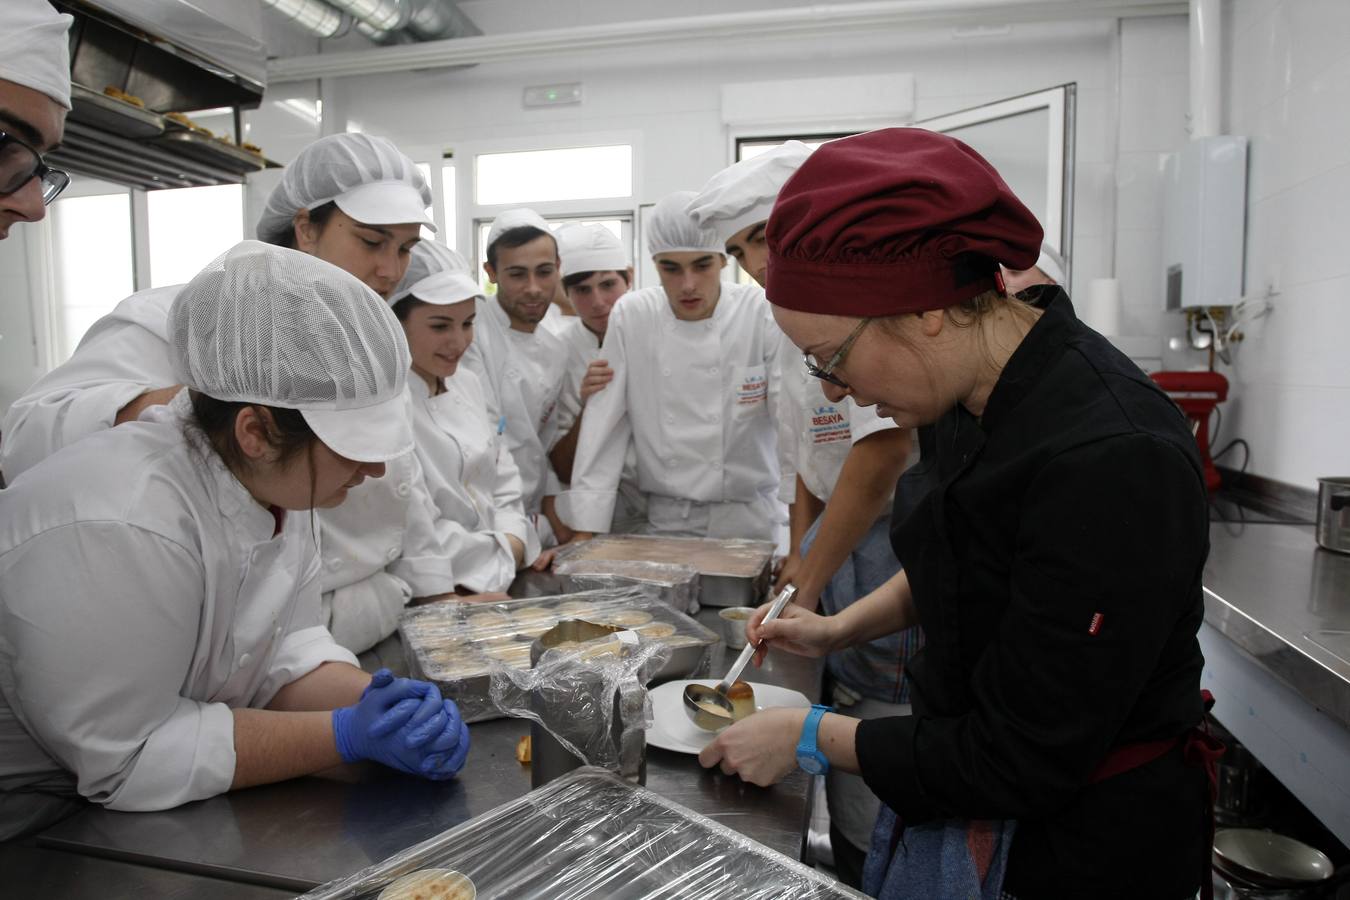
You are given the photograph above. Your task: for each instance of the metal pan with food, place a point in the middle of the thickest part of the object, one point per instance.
(591, 835)
(677, 585)
(455, 644)
(731, 572)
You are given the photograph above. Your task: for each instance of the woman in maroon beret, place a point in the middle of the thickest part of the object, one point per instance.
(1054, 565)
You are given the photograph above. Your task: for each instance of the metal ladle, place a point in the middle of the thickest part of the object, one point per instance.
(714, 708)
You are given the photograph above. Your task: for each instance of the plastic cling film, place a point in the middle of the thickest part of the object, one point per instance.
(590, 835)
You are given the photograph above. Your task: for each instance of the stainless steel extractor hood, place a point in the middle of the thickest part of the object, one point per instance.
(139, 69)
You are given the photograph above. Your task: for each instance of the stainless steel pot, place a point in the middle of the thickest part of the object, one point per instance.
(1333, 514)
(1263, 865)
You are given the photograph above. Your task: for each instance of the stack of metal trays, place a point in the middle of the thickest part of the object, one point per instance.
(586, 836)
(731, 572)
(456, 644)
(677, 586)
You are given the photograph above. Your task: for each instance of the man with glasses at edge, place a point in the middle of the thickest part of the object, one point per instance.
(34, 99)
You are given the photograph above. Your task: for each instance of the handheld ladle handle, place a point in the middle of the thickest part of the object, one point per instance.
(783, 599)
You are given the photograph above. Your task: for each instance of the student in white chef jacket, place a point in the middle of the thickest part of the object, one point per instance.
(596, 272)
(519, 363)
(692, 362)
(160, 632)
(845, 461)
(470, 475)
(352, 200)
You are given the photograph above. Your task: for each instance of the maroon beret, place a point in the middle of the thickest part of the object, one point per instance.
(894, 221)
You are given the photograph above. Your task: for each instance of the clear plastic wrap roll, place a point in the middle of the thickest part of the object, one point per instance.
(576, 693)
(676, 585)
(590, 835)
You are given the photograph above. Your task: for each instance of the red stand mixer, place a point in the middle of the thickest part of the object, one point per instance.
(1197, 393)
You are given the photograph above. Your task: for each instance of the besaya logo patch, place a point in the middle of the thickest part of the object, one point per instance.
(828, 425)
(753, 389)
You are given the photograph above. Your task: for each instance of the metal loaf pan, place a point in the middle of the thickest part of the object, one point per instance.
(731, 572)
(455, 644)
(590, 835)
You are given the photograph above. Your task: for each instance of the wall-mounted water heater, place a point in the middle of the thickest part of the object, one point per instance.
(1204, 217)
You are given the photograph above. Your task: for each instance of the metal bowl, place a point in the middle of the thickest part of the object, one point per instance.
(1268, 859)
(732, 622)
(712, 710)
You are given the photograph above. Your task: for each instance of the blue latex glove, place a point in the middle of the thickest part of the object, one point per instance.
(446, 754)
(396, 722)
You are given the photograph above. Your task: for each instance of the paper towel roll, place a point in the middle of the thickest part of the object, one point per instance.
(1101, 311)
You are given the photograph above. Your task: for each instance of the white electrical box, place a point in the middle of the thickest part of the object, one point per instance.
(1204, 218)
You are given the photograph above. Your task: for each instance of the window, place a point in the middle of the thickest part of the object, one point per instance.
(92, 256)
(544, 176)
(190, 227)
(449, 232)
(1029, 139)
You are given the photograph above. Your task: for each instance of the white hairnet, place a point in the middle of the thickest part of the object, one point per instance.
(671, 229)
(742, 195)
(515, 218)
(34, 49)
(428, 258)
(445, 288)
(1051, 263)
(367, 177)
(262, 324)
(590, 248)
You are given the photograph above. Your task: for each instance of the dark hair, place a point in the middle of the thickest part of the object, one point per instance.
(289, 433)
(404, 307)
(318, 216)
(515, 237)
(576, 278)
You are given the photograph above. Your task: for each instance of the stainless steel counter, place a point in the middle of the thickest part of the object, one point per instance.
(28, 871)
(302, 833)
(1284, 601)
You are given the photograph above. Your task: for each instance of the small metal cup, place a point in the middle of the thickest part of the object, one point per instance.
(732, 622)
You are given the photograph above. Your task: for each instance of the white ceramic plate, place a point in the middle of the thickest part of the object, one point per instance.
(671, 728)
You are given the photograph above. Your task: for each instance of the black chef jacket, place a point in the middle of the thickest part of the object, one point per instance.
(1056, 565)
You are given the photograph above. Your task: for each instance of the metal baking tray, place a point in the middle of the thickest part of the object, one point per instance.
(590, 835)
(731, 572)
(110, 114)
(214, 151)
(455, 644)
(677, 586)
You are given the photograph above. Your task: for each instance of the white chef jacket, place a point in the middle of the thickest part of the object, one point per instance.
(381, 548)
(521, 374)
(473, 481)
(143, 596)
(126, 353)
(818, 433)
(694, 398)
(555, 321)
(583, 348)
(123, 355)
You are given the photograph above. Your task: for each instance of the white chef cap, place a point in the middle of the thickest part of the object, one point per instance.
(34, 49)
(428, 258)
(1051, 263)
(742, 195)
(262, 324)
(590, 248)
(512, 219)
(428, 276)
(367, 177)
(671, 229)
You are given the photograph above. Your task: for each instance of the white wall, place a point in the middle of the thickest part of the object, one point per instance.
(1289, 89)
(668, 99)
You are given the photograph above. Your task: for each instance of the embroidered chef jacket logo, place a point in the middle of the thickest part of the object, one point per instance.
(1095, 625)
(828, 425)
(754, 389)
